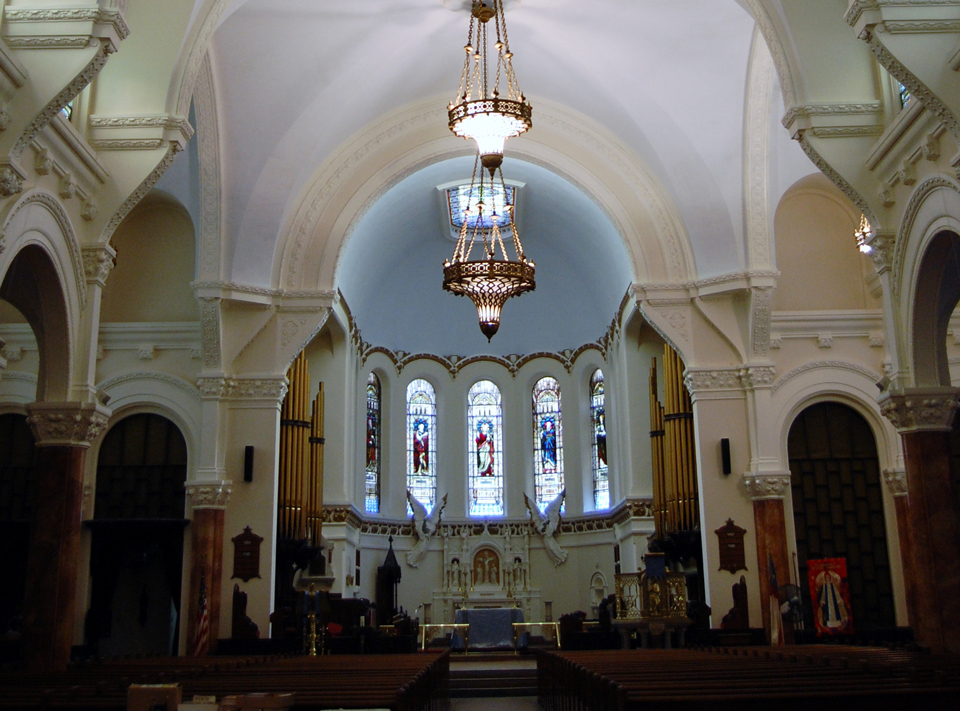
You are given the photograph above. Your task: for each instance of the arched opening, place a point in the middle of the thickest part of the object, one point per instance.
(32, 286)
(137, 549)
(18, 478)
(838, 509)
(938, 291)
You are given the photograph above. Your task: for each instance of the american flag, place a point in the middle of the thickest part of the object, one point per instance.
(201, 637)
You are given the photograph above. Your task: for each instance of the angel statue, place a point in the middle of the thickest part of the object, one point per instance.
(424, 526)
(547, 525)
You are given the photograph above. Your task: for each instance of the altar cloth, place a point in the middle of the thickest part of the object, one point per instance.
(489, 628)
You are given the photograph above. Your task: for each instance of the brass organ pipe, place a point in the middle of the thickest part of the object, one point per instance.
(316, 467)
(656, 447)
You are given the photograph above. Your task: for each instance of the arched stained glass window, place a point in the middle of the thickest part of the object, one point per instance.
(485, 444)
(547, 441)
(598, 437)
(372, 486)
(422, 443)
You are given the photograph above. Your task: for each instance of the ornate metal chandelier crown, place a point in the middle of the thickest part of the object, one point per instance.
(479, 111)
(494, 278)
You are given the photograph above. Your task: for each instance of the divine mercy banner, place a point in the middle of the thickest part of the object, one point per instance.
(830, 596)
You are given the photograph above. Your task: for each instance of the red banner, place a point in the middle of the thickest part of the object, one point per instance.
(830, 596)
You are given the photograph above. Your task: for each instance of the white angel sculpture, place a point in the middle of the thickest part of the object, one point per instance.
(424, 526)
(547, 524)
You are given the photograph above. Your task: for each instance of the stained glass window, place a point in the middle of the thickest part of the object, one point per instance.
(372, 486)
(598, 435)
(465, 198)
(422, 443)
(485, 444)
(547, 441)
(905, 95)
(67, 111)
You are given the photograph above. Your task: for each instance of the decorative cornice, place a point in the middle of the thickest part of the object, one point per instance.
(174, 123)
(928, 409)
(270, 389)
(67, 424)
(209, 494)
(697, 380)
(127, 144)
(350, 516)
(896, 481)
(108, 17)
(846, 131)
(173, 380)
(809, 110)
(904, 27)
(762, 487)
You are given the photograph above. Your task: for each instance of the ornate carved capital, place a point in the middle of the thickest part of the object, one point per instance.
(67, 424)
(700, 380)
(759, 376)
(272, 389)
(920, 409)
(884, 245)
(767, 486)
(896, 481)
(97, 263)
(209, 494)
(212, 388)
(11, 178)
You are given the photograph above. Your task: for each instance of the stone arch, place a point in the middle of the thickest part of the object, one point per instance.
(43, 277)
(926, 281)
(585, 154)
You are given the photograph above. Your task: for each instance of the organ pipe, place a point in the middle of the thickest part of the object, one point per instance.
(676, 498)
(294, 436)
(315, 499)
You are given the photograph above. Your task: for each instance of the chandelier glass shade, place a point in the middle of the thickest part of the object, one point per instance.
(479, 111)
(862, 235)
(491, 278)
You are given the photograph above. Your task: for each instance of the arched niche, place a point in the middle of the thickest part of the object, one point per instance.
(936, 297)
(155, 264)
(838, 509)
(815, 218)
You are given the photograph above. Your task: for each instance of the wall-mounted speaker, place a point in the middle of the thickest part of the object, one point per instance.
(725, 455)
(248, 463)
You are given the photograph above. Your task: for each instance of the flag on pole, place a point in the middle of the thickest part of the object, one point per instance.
(201, 638)
(776, 622)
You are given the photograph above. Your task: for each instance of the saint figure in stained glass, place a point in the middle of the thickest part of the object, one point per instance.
(548, 443)
(601, 482)
(372, 485)
(421, 447)
(371, 439)
(600, 431)
(485, 448)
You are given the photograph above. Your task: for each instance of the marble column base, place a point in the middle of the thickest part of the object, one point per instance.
(932, 543)
(53, 560)
(206, 533)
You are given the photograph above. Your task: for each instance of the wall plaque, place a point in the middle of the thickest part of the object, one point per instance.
(732, 557)
(246, 555)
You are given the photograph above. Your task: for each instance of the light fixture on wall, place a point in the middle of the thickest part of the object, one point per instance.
(492, 278)
(480, 111)
(863, 234)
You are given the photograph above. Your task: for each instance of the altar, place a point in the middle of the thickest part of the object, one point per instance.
(490, 627)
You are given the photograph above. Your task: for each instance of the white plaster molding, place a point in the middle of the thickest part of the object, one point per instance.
(929, 409)
(164, 335)
(112, 18)
(762, 486)
(896, 481)
(699, 380)
(917, 199)
(97, 263)
(870, 108)
(756, 147)
(173, 380)
(826, 364)
(270, 389)
(145, 186)
(67, 424)
(209, 494)
(208, 145)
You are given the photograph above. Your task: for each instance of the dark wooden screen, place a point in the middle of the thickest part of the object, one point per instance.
(955, 458)
(838, 507)
(141, 470)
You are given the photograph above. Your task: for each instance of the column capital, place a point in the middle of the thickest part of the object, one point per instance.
(767, 485)
(265, 388)
(927, 409)
(67, 424)
(97, 263)
(896, 481)
(209, 494)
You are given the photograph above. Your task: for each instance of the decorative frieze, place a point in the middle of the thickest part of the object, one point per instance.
(767, 486)
(920, 409)
(704, 380)
(896, 481)
(209, 494)
(67, 424)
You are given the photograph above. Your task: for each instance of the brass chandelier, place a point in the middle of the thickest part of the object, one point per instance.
(480, 113)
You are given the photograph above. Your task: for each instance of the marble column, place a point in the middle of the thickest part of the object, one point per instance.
(924, 418)
(896, 481)
(767, 490)
(63, 433)
(208, 499)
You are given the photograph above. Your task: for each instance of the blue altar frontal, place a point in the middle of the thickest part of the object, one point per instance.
(489, 628)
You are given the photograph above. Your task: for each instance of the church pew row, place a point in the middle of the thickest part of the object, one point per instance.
(686, 680)
(401, 682)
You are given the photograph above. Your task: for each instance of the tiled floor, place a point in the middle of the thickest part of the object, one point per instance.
(519, 703)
